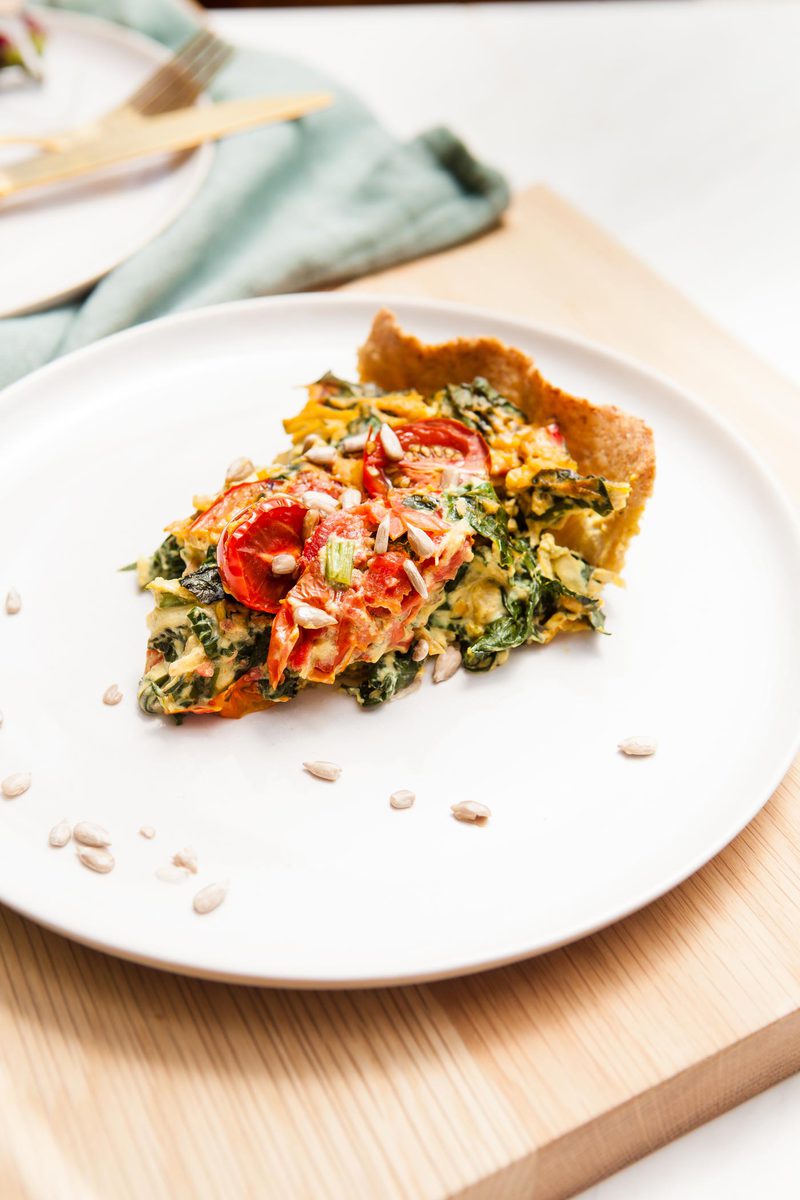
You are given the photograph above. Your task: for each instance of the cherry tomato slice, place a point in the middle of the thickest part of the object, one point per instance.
(223, 510)
(249, 544)
(429, 447)
(242, 495)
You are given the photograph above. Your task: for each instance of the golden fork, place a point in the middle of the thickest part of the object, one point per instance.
(140, 137)
(176, 84)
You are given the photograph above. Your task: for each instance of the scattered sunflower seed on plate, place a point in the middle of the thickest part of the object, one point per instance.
(60, 834)
(14, 785)
(186, 858)
(173, 874)
(446, 664)
(13, 602)
(638, 745)
(112, 695)
(96, 859)
(470, 810)
(89, 834)
(147, 831)
(402, 798)
(209, 898)
(420, 652)
(323, 770)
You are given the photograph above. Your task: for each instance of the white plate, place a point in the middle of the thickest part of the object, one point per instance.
(328, 884)
(55, 243)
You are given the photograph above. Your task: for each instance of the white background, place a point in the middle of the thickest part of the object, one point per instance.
(676, 126)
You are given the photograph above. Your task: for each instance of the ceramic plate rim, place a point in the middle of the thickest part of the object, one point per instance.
(201, 158)
(529, 329)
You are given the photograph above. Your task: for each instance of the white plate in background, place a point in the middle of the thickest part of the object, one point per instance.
(56, 242)
(329, 885)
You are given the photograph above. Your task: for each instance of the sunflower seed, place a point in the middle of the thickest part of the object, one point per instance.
(422, 545)
(96, 859)
(147, 831)
(415, 579)
(420, 651)
(382, 535)
(240, 468)
(355, 443)
(1, 720)
(173, 874)
(60, 833)
(321, 454)
(320, 501)
(470, 810)
(310, 523)
(89, 834)
(349, 498)
(112, 695)
(186, 858)
(209, 898)
(311, 439)
(638, 745)
(323, 770)
(402, 799)
(308, 617)
(13, 602)
(391, 443)
(446, 664)
(14, 785)
(284, 564)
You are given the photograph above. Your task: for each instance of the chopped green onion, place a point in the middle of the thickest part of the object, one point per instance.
(339, 555)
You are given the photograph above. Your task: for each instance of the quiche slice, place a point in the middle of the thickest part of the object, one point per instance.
(450, 500)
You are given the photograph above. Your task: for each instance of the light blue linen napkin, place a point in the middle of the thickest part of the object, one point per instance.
(285, 208)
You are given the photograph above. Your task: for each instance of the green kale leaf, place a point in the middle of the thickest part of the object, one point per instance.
(167, 562)
(205, 630)
(205, 582)
(470, 503)
(375, 683)
(473, 404)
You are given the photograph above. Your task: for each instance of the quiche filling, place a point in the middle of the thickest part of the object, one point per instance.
(398, 523)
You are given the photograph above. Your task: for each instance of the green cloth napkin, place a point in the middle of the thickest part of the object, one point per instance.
(284, 208)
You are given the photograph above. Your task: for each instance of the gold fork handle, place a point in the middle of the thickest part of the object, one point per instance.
(51, 144)
(166, 133)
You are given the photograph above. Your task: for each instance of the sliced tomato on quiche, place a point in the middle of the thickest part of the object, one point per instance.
(436, 454)
(351, 604)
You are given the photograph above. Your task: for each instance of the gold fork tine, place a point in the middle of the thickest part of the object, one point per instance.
(154, 84)
(176, 84)
(185, 88)
(183, 78)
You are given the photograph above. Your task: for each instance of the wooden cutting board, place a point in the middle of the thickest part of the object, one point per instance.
(527, 1082)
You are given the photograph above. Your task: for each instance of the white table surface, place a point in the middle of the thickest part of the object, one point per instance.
(677, 127)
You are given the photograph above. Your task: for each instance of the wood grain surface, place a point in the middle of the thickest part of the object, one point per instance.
(527, 1082)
